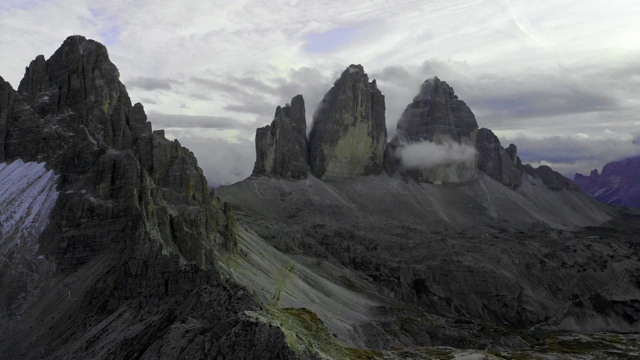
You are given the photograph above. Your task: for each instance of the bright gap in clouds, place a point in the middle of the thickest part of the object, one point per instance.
(331, 40)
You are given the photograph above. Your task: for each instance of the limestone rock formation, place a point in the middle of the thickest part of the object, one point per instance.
(512, 151)
(500, 164)
(349, 137)
(281, 148)
(132, 227)
(436, 115)
(550, 178)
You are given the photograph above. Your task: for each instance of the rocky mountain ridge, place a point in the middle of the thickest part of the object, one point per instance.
(617, 185)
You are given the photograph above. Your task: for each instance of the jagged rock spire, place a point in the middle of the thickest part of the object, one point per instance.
(349, 136)
(436, 112)
(436, 115)
(281, 148)
(80, 77)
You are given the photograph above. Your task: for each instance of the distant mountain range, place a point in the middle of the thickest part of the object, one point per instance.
(619, 183)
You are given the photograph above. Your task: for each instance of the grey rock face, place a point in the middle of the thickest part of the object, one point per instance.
(133, 209)
(281, 148)
(437, 115)
(512, 151)
(495, 161)
(349, 137)
(479, 251)
(550, 178)
(436, 111)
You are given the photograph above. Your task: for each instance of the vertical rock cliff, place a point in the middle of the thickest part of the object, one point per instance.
(500, 164)
(281, 148)
(349, 137)
(437, 116)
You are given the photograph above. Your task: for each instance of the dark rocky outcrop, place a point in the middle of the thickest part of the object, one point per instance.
(549, 177)
(618, 184)
(436, 115)
(500, 164)
(349, 137)
(281, 148)
(436, 112)
(134, 233)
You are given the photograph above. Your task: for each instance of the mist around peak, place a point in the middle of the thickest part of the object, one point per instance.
(427, 154)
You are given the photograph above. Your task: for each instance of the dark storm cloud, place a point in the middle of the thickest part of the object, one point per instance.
(398, 74)
(535, 96)
(260, 108)
(164, 121)
(244, 95)
(150, 83)
(219, 86)
(250, 95)
(568, 150)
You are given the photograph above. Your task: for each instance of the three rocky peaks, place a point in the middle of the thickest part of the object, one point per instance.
(135, 257)
(348, 138)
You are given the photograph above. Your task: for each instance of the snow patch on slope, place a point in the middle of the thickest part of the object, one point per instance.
(27, 196)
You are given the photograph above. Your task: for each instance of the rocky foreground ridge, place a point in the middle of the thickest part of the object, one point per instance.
(114, 247)
(122, 264)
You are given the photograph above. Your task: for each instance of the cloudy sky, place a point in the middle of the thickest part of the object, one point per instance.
(560, 79)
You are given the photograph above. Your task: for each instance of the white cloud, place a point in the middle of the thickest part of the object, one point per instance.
(426, 154)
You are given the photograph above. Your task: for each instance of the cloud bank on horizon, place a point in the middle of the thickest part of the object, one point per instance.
(559, 79)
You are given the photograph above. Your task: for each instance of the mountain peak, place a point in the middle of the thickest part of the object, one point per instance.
(79, 73)
(349, 136)
(437, 116)
(436, 89)
(353, 68)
